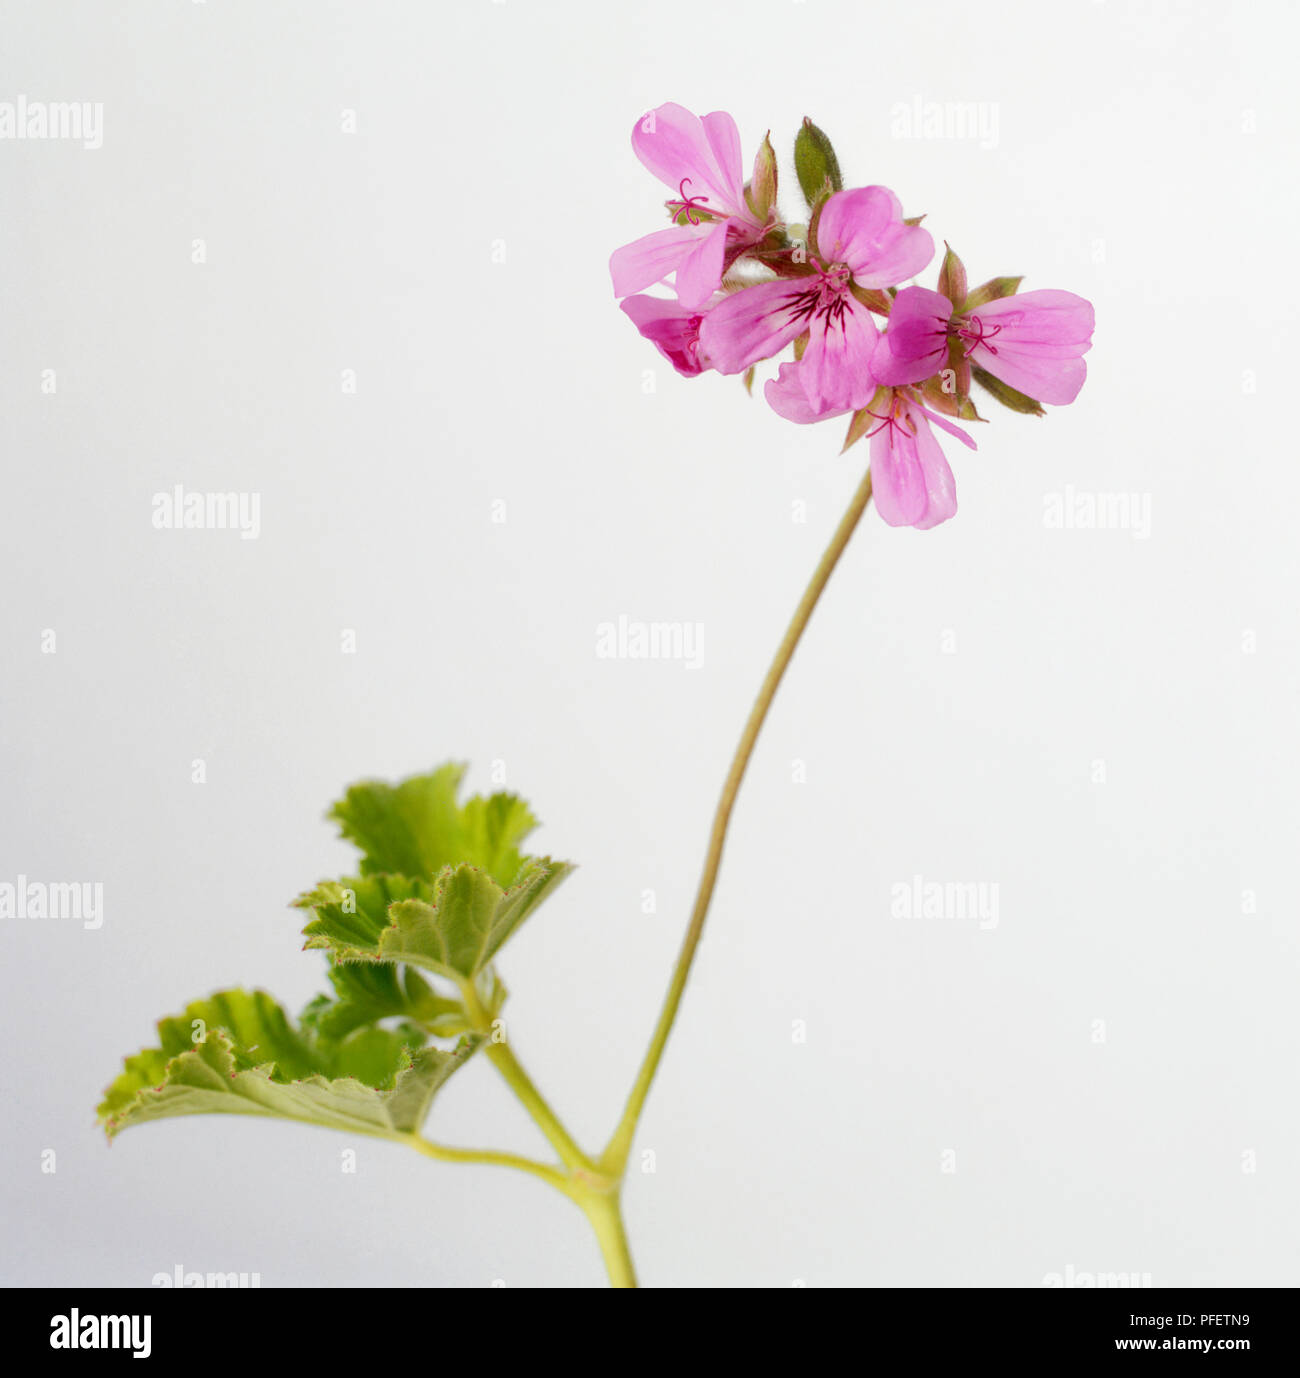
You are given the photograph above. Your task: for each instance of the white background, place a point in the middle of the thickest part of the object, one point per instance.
(948, 711)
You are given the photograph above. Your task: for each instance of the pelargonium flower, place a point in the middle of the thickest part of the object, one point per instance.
(700, 160)
(910, 479)
(863, 242)
(672, 328)
(1034, 342)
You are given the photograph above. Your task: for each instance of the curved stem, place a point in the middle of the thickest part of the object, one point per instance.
(614, 1159)
(504, 1060)
(489, 1156)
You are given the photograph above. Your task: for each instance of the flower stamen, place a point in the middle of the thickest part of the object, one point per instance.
(978, 335)
(688, 207)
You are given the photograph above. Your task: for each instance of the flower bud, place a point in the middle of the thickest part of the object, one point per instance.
(815, 164)
(761, 191)
(952, 276)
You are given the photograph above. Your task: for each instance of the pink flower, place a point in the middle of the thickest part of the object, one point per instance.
(914, 346)
(864, 242)
(1034, 342)
(911, 481)
(910, 478)
(672, 329)
(700, 160)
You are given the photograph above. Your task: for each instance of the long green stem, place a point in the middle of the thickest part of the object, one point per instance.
(595, 1186)
(511, 1069)
(614, 1159)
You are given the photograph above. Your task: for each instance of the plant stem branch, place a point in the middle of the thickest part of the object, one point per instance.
(489, 1156)
(614, 1160)
(503, 1059)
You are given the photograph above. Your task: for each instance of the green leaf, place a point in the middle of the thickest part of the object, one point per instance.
(365, 993)
(356, 922)
(815, 164)
(452, 925)
(237, 1053)
(469, 919)
(1006, 394)
(351, 914)
(416, 827)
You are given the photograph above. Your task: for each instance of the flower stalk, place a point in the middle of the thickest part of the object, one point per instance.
(596, 1185)
(614, 1159)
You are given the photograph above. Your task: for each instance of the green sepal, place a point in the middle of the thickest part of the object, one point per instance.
(952, 277)
(760, 192)
(992, 290)
(872, 298)
(862, 420)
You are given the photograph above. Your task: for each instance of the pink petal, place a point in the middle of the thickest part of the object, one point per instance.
(787, 397)
(944, 424)
(836, 366)
(1055, 381)
(1045, 317)
(1035, 342)
(915, 343)
(757, 322)
(911, 481)
(724, 140)
(940, 486)
(864, 228)
(651, 258)
(674, 331)
(700, 272)
(680, 146)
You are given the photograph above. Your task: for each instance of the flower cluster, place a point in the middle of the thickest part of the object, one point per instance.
(748, 286)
